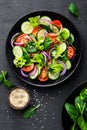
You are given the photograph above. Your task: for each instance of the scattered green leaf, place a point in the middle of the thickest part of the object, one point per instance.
(74, 10)
(30, 112)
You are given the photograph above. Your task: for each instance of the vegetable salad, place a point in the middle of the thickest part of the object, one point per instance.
(43, 49)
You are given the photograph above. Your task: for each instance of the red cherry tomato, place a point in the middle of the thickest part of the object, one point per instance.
(28, 68)
(70, 52)
(52, 36)
(44, 75)
(57, 23)
(22, 38)
(36, 29)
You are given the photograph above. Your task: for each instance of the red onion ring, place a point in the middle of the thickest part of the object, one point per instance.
(23, 74)
(33, 71)
(47, 21)
(44, 56)
(47, 55)
(64, 70)
(19, 43)
(12, 39)
(51, 50)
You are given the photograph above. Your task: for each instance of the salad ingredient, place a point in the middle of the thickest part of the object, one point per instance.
(77, 111)
(70, 52)
(28, 68)
(41, 43)
(19, 61)
(23, 73)
(43, 75)
(30, 112)
(22, 39)
(68, 64)
(26, 27)
(19, 98)
(17, 51)
(74, 10)
(57, 23)
(34, 21)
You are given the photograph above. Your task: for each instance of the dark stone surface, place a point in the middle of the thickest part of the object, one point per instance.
(49, 115)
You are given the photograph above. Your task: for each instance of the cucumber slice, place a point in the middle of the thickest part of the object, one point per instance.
(41, 35)
(26, 27)
(46, 18)
(64, 33)
(53, 76)
(71, 39)
(35, 75)
(17, 51)
(55, 29)
(62, 47)
(68, 64)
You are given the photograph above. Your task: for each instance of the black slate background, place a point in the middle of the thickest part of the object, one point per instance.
(49, 115)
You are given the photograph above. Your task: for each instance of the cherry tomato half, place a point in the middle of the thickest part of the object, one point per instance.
(28, 68)
(36, 29)
(22, 38)
(70, 52)
(44, 75)
(52, 36)
(57, 23)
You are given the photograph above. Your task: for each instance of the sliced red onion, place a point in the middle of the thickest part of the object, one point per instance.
(19, 43)
(64, 70)
(47, 55)
(28, 37)
(23, 74)
(43, 20)
(51, 51)
(33, 71)
(44, 56)
(12, 39)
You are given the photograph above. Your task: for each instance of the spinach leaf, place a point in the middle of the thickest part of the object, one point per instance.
(83, 94)
(26, 55)
(74, 10)
(82, 123)
(72, 111)
(47, 43)
(31, 47)
(74, 127)
(30, 112)
(71, 39)
(80, 105)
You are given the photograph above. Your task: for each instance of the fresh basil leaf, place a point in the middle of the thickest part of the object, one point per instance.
(30, 112)
(80, 105)
(72, 112)
(26, 55)
(82, 123)
(74, 127)
(74, 10)
(8, 84)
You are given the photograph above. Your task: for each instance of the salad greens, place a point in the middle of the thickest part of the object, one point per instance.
(77, 111)
(35, 48)
(74, 10)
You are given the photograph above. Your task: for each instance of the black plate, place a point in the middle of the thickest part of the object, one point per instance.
(67, 122)
(67, 24)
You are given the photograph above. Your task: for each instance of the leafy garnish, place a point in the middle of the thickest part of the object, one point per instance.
(30, 112)
(74, 10)
(4, 80)
(34, 21)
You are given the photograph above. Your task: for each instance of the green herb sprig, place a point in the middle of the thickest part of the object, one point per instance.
(74, 10)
